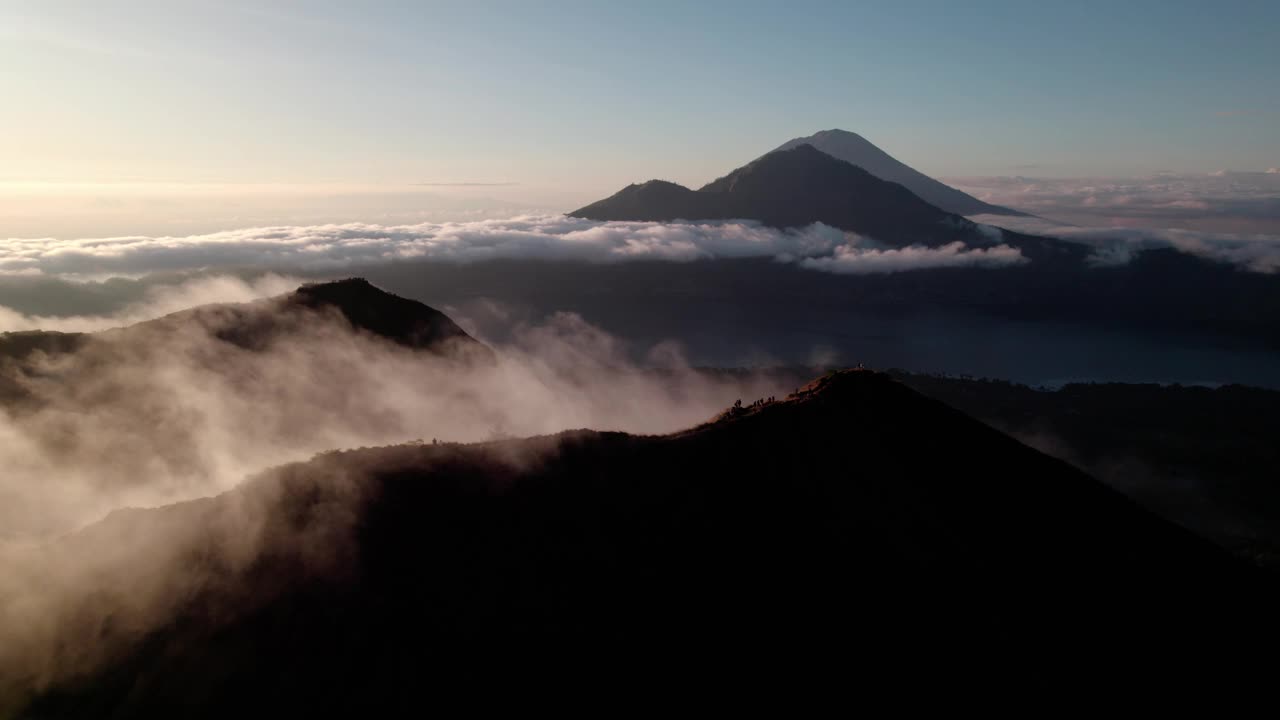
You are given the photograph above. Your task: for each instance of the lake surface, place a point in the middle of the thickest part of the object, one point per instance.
(764, 314)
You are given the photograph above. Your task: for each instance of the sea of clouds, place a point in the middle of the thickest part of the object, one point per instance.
(1252, 252)
(333, 247)
(1227, 217)
(547, 237)
(1223, 201)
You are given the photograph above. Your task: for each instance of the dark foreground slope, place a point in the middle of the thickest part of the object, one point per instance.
(1204, 457)
(853, 541)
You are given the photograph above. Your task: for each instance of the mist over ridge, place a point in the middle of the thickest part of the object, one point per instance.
(190, 403)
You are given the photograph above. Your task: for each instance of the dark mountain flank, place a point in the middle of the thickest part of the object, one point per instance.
(365, 307)
(362, 306)
(1203, 457)
(354, 302)
(352, 305)
(852, 541)
(802, 185)
(790, 188)
(855, 149)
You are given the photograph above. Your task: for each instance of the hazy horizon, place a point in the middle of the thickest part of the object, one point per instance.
(181, 118)
(575, 97)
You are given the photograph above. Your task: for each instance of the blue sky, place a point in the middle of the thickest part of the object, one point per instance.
(588, 96)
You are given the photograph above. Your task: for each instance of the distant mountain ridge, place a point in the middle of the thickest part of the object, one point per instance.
(853, 148)
(791, 188)
(369, 308)
(365, 307)
(803, 185)
(257, 325)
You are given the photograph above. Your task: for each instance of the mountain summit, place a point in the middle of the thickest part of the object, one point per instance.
(797, 186)
(853, 148)
(793, 188)
(802, 185)
(361, 305)
(351, 307)
(371, 309)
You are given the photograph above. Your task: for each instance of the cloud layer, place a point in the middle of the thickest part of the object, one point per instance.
(1224, 201)
(553, 237)
(852, 259)
(1224, 216)
(161, 413)
(1118, 245)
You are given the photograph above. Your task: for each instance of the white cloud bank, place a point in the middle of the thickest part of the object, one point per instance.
(1253, 252)
(551, 237)
(1225, 216)
(852, 259)
(1224, 201)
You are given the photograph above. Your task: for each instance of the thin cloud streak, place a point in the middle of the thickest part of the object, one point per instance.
(855, 260)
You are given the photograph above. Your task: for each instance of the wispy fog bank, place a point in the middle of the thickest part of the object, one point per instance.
(167, 411)
(158, 300)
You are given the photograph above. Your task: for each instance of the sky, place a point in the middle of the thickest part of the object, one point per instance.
(574, 95)
(178, 117)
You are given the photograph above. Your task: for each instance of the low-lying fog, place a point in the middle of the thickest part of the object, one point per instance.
(152, 415)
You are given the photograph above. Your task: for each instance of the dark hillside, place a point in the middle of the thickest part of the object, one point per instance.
(1203, 457)
(853, 541)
